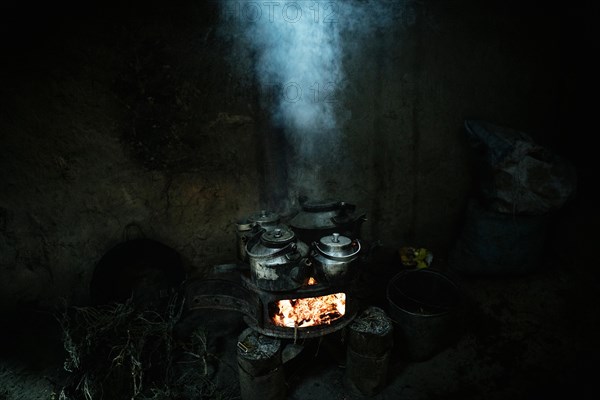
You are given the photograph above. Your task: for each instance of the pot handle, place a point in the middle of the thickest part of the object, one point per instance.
(344, 218)
(289, 248)
(254, 239)
(340, 258)
(340, 206)
(302, 271)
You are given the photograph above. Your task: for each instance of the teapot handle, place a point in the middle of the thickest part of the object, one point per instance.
(346, 257)
(289, 248)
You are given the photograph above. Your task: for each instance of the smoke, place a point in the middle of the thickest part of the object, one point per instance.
(298, 50)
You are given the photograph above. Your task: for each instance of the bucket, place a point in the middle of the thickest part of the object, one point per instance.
(426, 307)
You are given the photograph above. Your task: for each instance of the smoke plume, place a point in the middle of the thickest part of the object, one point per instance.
(298, 49)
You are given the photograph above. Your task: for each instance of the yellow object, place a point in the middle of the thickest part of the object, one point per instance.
(415, 257)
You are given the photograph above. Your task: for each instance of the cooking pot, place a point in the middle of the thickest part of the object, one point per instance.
(276, 262)
(248, 227)
(335, 259)
(321, 218)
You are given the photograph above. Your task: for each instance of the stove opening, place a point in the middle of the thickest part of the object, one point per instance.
(308, 311)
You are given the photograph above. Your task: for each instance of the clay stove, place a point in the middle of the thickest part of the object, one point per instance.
(288, 289)
(311, 310)
(284, 287)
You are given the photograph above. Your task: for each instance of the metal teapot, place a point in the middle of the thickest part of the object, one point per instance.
(320, 218)
(248, 227)
(276, 262)
(335, 259)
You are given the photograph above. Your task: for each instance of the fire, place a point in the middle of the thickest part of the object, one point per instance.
(310, 311)
(312, 281)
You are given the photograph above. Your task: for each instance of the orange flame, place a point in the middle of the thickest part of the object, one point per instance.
(310, 311)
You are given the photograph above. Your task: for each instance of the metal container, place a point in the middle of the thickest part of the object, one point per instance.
(370, 339)
(265, 219)
(319, 218)
(243, 233)
(334, 258)
(427, 307)
(276, 264)
(248, 227)
(260, 367)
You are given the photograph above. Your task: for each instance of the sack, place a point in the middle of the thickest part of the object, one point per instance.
(522, 176)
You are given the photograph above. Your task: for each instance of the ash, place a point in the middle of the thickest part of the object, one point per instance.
(373, 320)
(259, 346)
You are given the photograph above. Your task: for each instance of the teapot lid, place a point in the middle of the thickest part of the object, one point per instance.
(336, 245)
(264, 217)
(244, 224)
(278, 236)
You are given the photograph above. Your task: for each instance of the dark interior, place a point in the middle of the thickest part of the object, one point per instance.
(134, 134)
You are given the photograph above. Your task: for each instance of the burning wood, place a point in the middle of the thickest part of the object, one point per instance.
(310, 311)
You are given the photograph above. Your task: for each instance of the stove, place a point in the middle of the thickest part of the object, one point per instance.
(287, 288)
(297, 281)
(312, 310)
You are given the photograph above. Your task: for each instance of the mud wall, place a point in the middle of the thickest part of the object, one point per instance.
(125, 120)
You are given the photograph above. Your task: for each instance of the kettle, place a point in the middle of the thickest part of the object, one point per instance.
(321, 218)
(248, 227)
(335, 259)
(276, 261)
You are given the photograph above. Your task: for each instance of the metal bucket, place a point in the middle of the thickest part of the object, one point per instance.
(426, 307)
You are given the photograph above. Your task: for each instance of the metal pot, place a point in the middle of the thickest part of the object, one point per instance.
(276, 264)
(335, 259)
(248, 227)
(428, 309)
(243, 233)
(320, 218)
(265, 219)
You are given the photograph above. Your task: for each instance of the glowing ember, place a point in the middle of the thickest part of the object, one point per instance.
(312, 281)
(310, 311)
